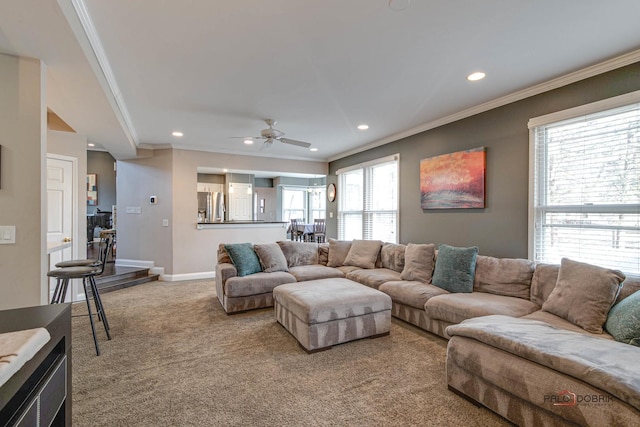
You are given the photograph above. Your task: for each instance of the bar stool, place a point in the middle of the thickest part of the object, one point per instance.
(87, 274)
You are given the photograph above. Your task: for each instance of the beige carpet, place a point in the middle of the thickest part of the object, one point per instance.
(175, 359)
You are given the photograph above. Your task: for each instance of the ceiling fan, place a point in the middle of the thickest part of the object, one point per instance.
(271, 134)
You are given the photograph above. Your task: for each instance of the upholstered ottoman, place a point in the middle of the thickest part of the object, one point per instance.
(322, 313)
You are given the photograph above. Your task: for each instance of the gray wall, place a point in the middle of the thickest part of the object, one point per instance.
(101, 163)
(501, 228)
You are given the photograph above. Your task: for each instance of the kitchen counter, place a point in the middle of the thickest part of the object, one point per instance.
(241, 224)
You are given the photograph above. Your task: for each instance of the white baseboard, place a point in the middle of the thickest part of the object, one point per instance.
(188, 276)
(134, 263)
(160, 270)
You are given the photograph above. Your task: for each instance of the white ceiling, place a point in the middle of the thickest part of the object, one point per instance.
(215, 69)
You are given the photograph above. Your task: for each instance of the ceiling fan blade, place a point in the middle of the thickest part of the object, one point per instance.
(294, 142)
(266, 144)
(246, 137)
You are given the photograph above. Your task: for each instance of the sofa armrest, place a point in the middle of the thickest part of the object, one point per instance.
(224, 271)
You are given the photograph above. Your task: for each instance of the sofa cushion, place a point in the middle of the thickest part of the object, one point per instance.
(244, 258)
(630, 286)
(346, 269)
(560, 323)
(455, 268)
(584, 294)
(604, 364)
(412, 293)
(623, 321)
(392, 256)
(314, 272)
(258, 283)
(543, 281)
(338, 250)
(510, 277)
(271, 257)
(456, 307)
(299, 253)
(363, 253)
(373, 277)
(419, 261)
(323, 253)
(223, 256)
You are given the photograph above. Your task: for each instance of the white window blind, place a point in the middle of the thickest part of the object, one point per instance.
(586, 189)
(368, 201)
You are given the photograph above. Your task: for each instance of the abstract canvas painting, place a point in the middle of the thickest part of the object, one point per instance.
(455, 180)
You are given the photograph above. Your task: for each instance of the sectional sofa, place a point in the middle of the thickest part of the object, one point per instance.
(525, 340)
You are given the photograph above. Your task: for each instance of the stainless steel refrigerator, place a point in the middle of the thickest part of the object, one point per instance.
(210, 207)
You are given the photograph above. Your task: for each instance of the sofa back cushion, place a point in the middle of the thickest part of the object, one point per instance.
(299, 253)
(392, 256)
(338, 250)
(630, 286)
(510, 277)
(419, 262)
(323, 253)
(543, 281)
(223, 256)
(363, 253)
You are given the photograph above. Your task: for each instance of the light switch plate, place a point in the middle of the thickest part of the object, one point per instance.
(7, 234)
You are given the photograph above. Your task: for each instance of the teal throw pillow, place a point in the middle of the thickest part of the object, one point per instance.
(455, 268)
(623, 321)
(244, 258)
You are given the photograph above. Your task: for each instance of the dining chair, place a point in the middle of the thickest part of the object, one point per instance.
(319, 230)
(296, 234)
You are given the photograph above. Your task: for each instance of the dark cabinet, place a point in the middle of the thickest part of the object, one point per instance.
(39, 394)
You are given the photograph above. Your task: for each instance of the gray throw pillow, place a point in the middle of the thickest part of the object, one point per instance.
(338, 250)
(584, 293)
(244, 258)
(363, 253)
(455, 268)
(623, 322)
(271, 257)
(419, 260)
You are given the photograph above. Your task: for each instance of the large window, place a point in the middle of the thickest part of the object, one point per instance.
(303, 203)
(586, 185)
(368, 201)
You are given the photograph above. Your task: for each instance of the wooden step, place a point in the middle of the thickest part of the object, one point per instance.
(124, 277)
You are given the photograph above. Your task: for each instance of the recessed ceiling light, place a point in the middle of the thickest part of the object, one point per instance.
(398, 5)
(363, 127)
(476, 76)
(225, 170)
(91, 144)
(313, 149)
(177, 133)
(248, 141)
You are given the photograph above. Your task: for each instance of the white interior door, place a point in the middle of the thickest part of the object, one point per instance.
(240, 202)
(60, 212)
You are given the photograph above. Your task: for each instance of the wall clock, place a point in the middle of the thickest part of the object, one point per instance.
(331, 192)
